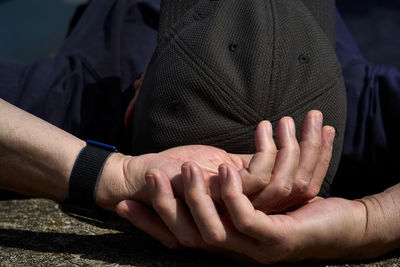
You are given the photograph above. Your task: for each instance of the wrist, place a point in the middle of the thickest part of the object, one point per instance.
(112, 187)
(340, 235)
(382, 223)
(353, 239)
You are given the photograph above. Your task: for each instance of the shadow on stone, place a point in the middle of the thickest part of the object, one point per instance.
(134, 248)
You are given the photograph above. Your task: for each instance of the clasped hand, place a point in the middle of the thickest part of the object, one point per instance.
(227, 207)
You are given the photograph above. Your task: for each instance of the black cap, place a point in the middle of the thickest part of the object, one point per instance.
(221, 67)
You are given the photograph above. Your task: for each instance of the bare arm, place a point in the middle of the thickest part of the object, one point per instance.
(36, 158)
(382, 232)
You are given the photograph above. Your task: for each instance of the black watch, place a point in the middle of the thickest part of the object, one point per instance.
(83, 181)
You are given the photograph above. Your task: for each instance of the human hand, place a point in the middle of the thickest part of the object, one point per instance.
(293, 179)
(292, 175)
(321, 229)
(268, 164)
(123, 177)
(299, 170)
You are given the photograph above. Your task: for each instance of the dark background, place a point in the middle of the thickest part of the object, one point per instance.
(375, 25)
(31, 28)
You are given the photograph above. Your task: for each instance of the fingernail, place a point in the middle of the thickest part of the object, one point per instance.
(331, 137)
(317, 121)
(292, 127)
(150, 181)
(187, 176)
(269, 129)
(223, 173)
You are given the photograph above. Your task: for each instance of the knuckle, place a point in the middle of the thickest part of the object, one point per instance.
(189, 242)
(325, 161)
(262, 180)
(162, 207)
(271, 152)
(301, 186)
(283, 191)
(228, 195)
(312, 192)
(313, 146)
(294, 150)
(213, 237)
(244, 224)
(192, 198)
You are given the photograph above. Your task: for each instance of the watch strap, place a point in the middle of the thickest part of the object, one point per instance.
(84, 179)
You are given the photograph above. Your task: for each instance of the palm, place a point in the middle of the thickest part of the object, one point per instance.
(318, 229)
(334, 221)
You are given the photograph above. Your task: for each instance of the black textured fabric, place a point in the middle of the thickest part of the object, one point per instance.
(84, 176)
(221, 67)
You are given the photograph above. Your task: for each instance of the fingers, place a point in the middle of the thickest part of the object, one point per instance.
(258, 173)
(299, 169)
(216, 229)
(244, 217)
(201, 205)
(172, 211)
(310, 147)
(328, 137)
(314, 163)
(285, 168)
(147, 221)
(273, 238)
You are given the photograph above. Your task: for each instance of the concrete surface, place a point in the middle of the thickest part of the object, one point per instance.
(36, 233)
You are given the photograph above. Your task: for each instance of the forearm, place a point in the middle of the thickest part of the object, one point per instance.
(36, 158)
(382, 232)
(369, 227)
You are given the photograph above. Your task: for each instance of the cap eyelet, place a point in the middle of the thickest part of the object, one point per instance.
(233, 47)
(304, 59)
(175, 106)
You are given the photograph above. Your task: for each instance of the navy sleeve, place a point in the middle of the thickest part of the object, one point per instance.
(370, 160)
(83, 88)
(50, 88)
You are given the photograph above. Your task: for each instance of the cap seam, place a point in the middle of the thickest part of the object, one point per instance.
(275, 74)
(250, 112)
(228, 135)
(220, 96)
(268, 109)
(293, 109)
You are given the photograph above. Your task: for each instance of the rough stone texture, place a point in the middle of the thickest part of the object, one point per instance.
(36, 233)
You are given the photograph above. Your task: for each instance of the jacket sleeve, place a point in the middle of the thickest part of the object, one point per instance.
(370, 161)
(50, 88)
(85, 83)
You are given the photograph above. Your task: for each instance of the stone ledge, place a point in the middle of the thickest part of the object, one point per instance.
(36, 233)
